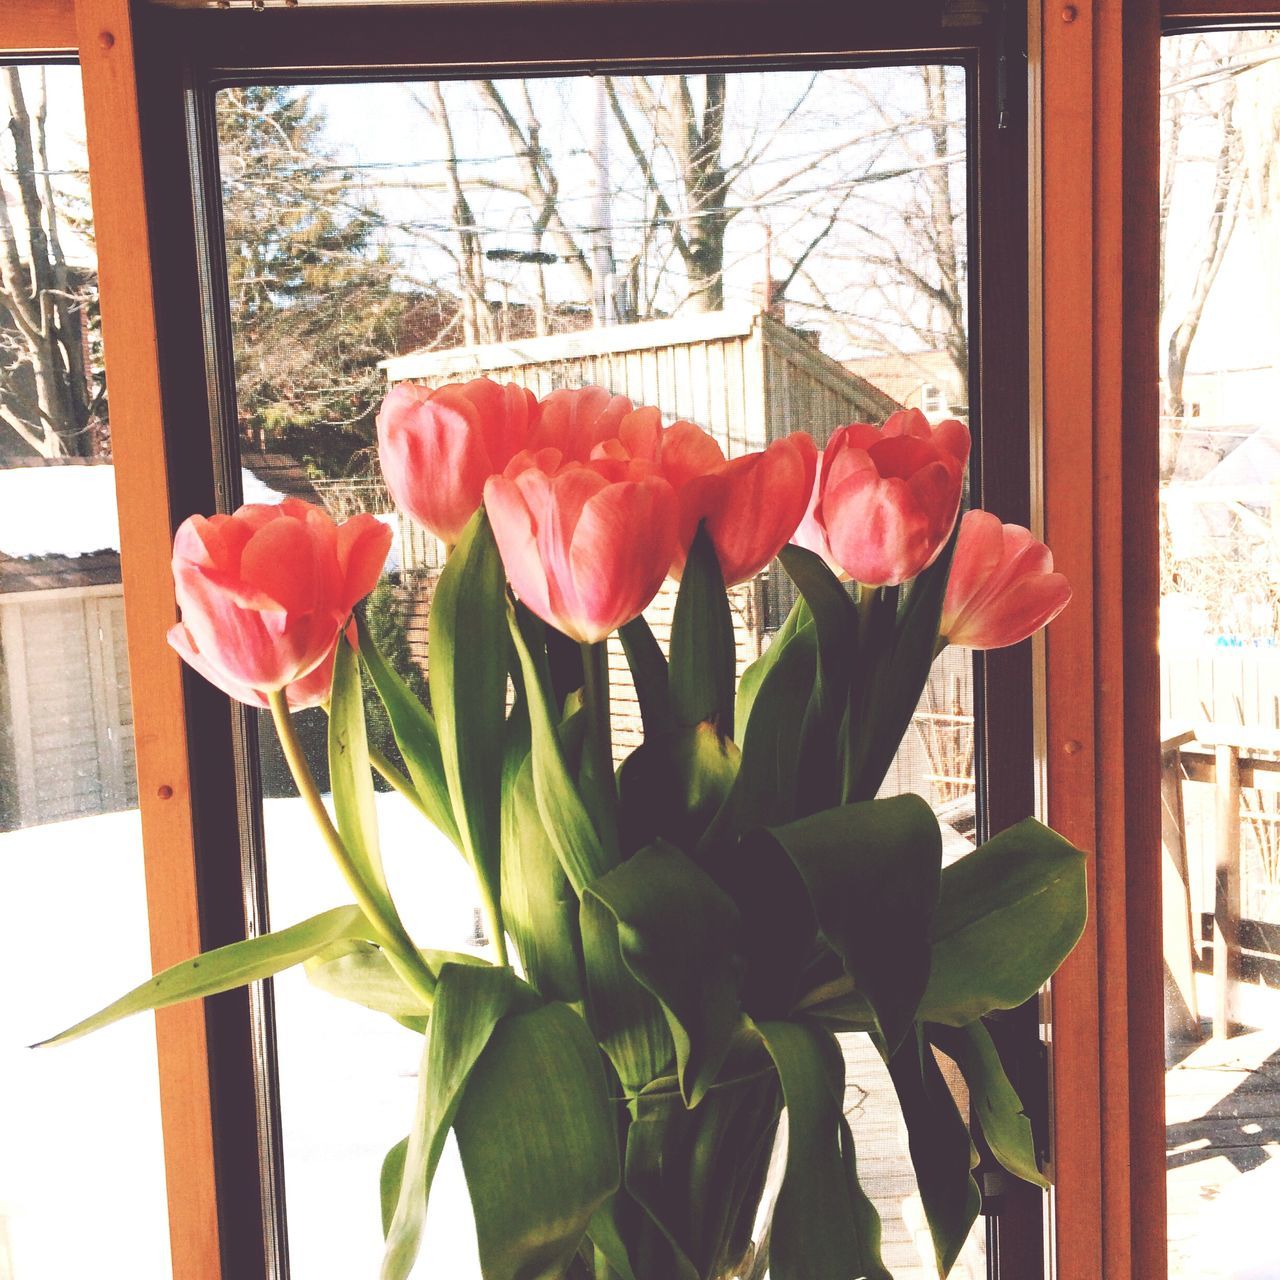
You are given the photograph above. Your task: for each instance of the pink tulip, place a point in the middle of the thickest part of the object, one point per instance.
(311, 691)
(585, 550)
(576, 420)
(809, 533)
(1002, 587)
(264, 592)
(889, 496)
(437, 448)
(751, 505)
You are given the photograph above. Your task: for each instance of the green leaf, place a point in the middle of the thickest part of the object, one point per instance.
(1008, 915)
(537, 1133)
(415, 734)
(654, 1182)
(351, 778)
(627, 1020)
(899, 675)
(224, 969)
(703, 649)
(872, 871)
(564, 816)
(824, 1226)
(650, 675)
(779, 928)
(470, 1002)
(1004, 1123)
(672, 786)
(764, 792)
(836, 623)
(389, 1180)
(605, 1236)
(359, 971)
(537, 901)
(941, 1152)
(680, 937)
(838, 1007)
(753, 677)
(467, 674)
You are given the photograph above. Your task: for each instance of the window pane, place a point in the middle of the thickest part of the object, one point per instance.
(804, 266)
(81, 1172)
(1220, 667)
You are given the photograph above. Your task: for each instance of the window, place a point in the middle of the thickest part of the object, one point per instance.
(81, 1124)
(1219, 612)
(550, 232)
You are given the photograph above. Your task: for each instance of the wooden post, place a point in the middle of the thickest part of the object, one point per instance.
(1182, 1013)
(1226, 888)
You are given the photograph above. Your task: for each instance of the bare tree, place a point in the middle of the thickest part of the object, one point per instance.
(854, 191)
(1209, 105)
(919, 250)
(477, 320)
(46, 398)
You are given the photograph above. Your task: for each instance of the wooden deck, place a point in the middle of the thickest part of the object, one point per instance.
(1223, 1110)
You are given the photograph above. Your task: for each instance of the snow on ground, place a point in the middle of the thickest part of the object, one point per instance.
(71, 511)
(81, 1172)
(348, 1077)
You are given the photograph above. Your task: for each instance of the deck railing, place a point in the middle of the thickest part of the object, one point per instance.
(1235, 761)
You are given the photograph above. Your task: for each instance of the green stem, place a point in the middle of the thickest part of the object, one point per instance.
(402, 954)
(597, 751)
(492, 908)
(395, 779)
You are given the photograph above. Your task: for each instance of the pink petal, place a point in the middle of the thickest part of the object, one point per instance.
(363, 543)
(977, 556)
(687, 452)
(516, 535)
(615, 572)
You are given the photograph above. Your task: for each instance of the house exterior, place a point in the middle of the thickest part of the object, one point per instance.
(924, 380)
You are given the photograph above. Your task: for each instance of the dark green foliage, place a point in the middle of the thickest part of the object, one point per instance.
(312, 308)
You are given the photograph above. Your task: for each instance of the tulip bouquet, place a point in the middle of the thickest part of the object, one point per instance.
(678, 941)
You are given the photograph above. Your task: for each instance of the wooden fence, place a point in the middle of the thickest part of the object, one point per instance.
(1237, 691)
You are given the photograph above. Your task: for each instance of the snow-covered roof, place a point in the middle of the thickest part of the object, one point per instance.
(71, 510)
(1250, 468)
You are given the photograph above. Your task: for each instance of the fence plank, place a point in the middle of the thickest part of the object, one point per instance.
(1226, 899)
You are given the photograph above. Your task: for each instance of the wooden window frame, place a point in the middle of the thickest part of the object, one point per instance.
(1093, 84)
(1095, 72)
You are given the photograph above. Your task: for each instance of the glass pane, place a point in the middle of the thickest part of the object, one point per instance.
(1220, 668)
(81, 1171)
(802, 265)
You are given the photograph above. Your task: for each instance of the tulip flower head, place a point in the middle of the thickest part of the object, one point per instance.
(264, 592)
(1002, 587)
(586, 546)
(751, 505)
(312, 690)
(438, 447)
(889, 496)
(809, 533)
(575, 420)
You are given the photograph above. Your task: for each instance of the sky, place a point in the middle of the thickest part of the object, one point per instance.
(825, 132)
